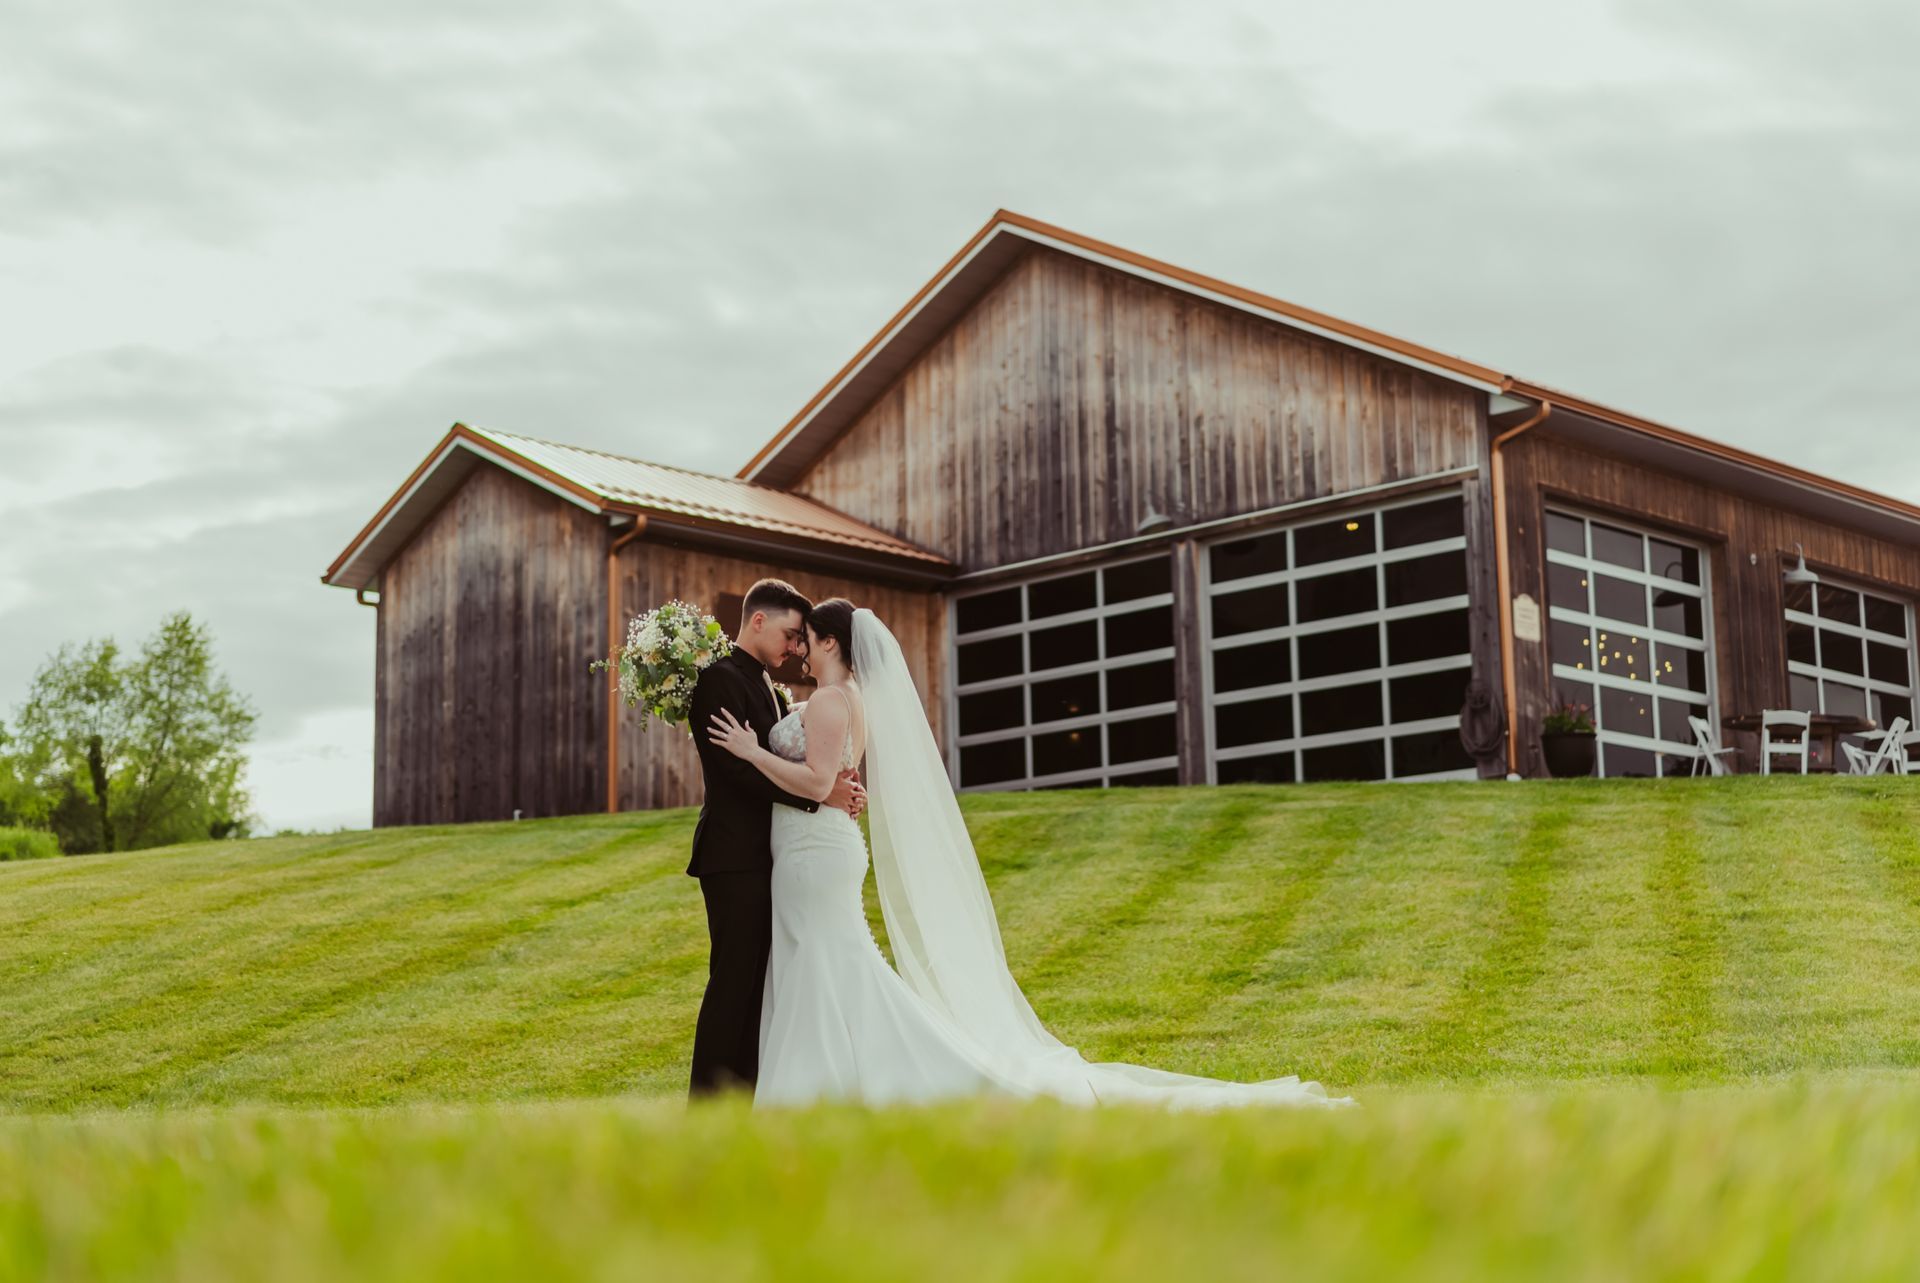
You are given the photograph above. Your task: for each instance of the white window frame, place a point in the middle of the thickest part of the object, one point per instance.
(1292, 631)
(1817, 671)
(1098, 614)
(1652, 582)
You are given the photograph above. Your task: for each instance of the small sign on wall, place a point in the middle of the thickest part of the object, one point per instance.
(1526, 618)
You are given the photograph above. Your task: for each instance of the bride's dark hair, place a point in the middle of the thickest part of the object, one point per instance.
(834, 618)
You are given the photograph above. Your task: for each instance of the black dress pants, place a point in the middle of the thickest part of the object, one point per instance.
(726, 1039)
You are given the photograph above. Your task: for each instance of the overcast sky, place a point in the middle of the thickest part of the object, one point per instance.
(256, 257)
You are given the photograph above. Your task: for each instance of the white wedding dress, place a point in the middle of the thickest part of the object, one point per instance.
(838, 1023)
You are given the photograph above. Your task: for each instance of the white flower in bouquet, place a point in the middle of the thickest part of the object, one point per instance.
(666, 650)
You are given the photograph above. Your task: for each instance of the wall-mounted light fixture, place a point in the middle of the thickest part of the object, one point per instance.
(1799, 574)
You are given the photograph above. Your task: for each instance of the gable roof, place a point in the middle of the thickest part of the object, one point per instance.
(1007, 236)
(693, 505)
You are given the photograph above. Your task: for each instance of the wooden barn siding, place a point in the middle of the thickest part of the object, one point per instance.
(1071, 398)
(488, 619)
(657, 765)
(1749, 632)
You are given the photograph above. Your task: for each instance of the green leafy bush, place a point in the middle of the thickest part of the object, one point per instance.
(27, 844)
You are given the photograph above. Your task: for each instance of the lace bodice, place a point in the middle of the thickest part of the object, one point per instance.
(788, 738)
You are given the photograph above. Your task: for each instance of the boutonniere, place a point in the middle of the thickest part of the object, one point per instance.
(784, 695)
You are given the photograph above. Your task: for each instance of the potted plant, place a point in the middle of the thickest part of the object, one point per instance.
(1567, 740)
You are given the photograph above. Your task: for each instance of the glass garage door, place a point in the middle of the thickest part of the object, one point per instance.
(1628, 636)
(1339, 649)
(1068, 681)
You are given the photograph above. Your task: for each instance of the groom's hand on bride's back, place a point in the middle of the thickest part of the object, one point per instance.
(849, 794)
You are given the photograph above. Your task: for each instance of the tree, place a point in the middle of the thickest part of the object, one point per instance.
(129, 753)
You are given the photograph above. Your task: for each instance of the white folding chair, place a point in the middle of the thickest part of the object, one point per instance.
(1710, 750)
(1906, 758)
(1884, 758)
(1787, 719)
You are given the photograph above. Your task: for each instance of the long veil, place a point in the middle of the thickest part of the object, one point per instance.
(941, 923)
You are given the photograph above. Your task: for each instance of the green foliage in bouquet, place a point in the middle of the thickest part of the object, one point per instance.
(666, 650)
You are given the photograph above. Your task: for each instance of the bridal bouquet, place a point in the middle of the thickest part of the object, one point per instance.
(666, 649)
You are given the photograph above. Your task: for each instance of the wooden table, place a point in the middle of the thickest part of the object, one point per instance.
(1822, 728)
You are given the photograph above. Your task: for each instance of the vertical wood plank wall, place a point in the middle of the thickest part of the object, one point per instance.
(657, 766)
(1749, 630)
(1072, 398)
(488, 619)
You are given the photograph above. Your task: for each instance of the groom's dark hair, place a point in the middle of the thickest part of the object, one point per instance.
(771, 595)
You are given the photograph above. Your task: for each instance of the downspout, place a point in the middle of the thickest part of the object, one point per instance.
(1503, 574)
(614, 642)
(360, 595)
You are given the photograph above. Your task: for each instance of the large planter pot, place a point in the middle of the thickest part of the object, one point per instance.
(1569, 754)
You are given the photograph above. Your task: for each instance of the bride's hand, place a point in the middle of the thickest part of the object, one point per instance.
(732, 734)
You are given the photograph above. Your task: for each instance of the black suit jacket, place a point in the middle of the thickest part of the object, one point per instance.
(736, 818)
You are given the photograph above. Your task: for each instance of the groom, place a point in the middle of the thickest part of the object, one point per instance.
(732, 845)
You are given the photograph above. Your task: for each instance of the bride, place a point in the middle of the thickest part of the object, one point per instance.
(837, 1022)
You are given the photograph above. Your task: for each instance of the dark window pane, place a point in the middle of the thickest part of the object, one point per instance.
(1249, 612)
(1567, 587)
(1846, 700)
(1138, 630)
(1254, 722)
(1066, 751)
(1626, 712)
(1138, 579)
(1885, 616)
(1677, 614)
(1841, 605)
(1140, 684)
(1147, 779)
(1276, 768)
(1060, 596)
(1429, 753)
(1070, 784)
(1618, 761)
(1438, 636)
(1443, 574)
(992, 763)
(1803, 693)
(1568, 691)
(1065, 697)
(1344, 650)
(1677, 666)
(1887, 707)
(1841, 652)
(1242, 558)
(1570, 644)
(1332, 540)
(988, 610)
(1063, 645)
(1364, 761)
(1344, 708)
(982, 661)
(1887, 663)
(1141, 740)
(1422, 523)
(1674, 726)
(1424, 695)
(993, 710)
(1329, 596)
(1800, 643)
(1568, 534)
(1619, 599)
(1798, 597)
(1242, 667)
(1674, 561)
(1618, 547)
(1622, 655)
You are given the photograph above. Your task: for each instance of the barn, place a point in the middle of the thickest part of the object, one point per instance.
(1137, 525)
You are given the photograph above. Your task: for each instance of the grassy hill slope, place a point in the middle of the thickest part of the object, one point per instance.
(1367, 935)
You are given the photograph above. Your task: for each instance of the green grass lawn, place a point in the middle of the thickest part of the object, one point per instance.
(1599, 1030)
